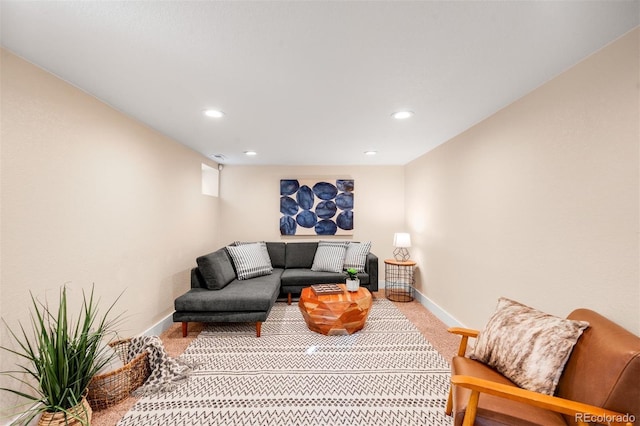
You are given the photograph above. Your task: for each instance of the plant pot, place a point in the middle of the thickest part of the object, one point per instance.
(353, 285)
(80, 415)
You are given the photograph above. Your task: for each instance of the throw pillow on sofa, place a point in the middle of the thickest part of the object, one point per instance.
(263, 246)
(527, 346)
(249, 260)
(216, 268)
(356, 255)
(329, 256)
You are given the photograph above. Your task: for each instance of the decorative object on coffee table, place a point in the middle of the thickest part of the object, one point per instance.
(320, 289)
(398, 277)
(335, 314)
(353, 282)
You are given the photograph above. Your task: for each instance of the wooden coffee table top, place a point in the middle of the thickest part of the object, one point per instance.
(330, 314)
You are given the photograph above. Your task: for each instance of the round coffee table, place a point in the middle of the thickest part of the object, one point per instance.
(335, 314)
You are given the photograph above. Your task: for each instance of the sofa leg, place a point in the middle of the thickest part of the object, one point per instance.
(258, 328)
(288, 298)
(449, 408)
(184, 328)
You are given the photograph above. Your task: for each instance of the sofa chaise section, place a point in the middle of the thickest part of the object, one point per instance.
(235, 301)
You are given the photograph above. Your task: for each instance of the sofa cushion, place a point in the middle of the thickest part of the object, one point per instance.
(356, 255)
(329, 256)
(528, 346)
(250, 260)
(216, 269)
(306, 277)
(300, 255)
(254, 294)
(277, 254)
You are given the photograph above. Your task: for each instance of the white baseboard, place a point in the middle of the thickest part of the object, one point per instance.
(433, 307)
(159, 327)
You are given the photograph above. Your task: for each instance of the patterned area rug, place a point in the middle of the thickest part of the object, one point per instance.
(385, 374)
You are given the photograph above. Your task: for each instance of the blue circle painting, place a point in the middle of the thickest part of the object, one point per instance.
(325, 190)
(305, 197)
(344, 201)
(317, 207)
(288, 186)
(307, 219)
(287, 226)
(326, 227)
(288, 206)
(345, 220)
(326, 209)
(345, 185)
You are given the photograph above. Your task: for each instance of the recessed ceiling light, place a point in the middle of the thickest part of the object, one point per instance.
(401, 115)
(370, 152)
(214, 113)
(250, 153)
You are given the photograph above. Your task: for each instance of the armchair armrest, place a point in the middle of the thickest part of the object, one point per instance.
(465, 333)
(583, 413)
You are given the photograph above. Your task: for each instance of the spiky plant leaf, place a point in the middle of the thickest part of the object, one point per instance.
(61, 356)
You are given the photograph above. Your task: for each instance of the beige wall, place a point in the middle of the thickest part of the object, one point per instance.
(92, 196)
(539, 202)
(250, 208)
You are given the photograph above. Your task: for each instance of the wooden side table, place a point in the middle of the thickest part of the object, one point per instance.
(398, 277)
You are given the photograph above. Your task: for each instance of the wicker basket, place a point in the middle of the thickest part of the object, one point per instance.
(108, 389)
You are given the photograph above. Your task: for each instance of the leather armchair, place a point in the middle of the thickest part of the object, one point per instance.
(600, 384)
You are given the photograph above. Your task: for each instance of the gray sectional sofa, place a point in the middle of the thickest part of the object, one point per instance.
(217, 295)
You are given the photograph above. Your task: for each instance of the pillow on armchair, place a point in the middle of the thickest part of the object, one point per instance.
(527, 346)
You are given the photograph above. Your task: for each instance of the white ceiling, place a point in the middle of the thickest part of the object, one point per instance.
(311, 82)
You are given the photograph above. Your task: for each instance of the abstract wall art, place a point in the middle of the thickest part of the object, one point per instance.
(316, 207)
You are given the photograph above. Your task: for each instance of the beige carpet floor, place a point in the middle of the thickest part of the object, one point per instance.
(428, 324)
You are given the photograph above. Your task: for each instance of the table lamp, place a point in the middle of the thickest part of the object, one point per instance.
(401, 240)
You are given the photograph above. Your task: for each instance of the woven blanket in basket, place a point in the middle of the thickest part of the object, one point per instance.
(166, 371)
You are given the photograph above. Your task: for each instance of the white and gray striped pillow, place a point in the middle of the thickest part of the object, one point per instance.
(356, 255)
(263, 246)
(249, 260)
(329, 256)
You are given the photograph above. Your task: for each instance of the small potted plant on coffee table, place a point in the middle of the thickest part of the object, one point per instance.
(353, 282)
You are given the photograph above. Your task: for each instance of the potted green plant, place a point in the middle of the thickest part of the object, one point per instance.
(58, 360)
(353, 282)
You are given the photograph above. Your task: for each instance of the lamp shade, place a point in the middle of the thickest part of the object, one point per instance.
(401, 239)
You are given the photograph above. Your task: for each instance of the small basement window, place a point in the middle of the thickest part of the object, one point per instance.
(210, 179)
